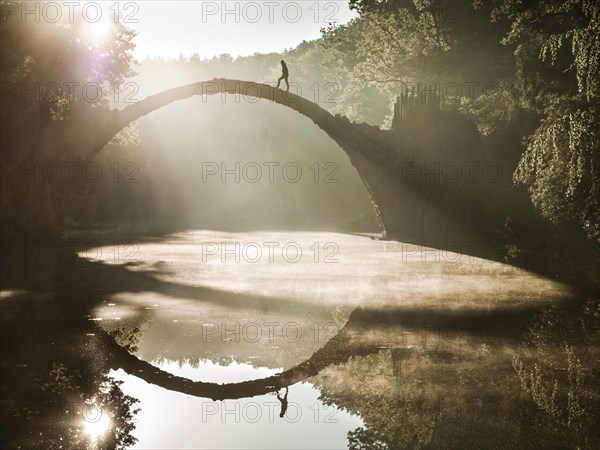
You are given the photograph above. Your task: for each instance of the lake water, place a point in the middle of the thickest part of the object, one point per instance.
(427, 337)
(259, 340)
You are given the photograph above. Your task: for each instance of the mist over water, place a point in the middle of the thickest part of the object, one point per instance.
(240, 310)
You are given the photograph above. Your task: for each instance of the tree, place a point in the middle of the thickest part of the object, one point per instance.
(52, 74)
(561, 165)
(542, 57)
(397, 43)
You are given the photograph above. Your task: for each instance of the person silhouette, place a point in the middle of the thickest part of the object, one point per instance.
(284, 75)
(284, 402)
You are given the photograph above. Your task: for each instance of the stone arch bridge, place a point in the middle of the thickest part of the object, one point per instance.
(428, 177)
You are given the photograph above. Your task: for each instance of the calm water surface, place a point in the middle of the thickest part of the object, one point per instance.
(273, 340)
(419, 333)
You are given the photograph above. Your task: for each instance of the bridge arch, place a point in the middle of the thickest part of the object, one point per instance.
(323, 119)
(417, 209)
(338, 128)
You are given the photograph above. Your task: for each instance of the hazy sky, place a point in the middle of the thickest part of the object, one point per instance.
(236, 27)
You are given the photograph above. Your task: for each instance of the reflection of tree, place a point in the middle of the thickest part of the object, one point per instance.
(123, 409)
(128, 338)
(462, 392)
(393, 419)
(393, 424)
(56, 392)
(59, 411)
(559, 369)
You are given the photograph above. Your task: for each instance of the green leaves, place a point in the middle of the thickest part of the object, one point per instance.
(561, 165)
(389, 44)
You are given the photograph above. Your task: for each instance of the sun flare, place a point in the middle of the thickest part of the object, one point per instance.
(98, 30)
(95, 430)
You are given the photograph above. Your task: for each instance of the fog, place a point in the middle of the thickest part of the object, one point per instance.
(230, 162)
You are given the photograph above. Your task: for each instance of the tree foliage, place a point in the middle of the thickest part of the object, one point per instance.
(52, 74)
(543, 59)
(559, 41)
(561, 165)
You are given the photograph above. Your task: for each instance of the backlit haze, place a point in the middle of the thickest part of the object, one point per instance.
(237, 28)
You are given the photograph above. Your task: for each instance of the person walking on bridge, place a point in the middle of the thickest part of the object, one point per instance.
(284, 75)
